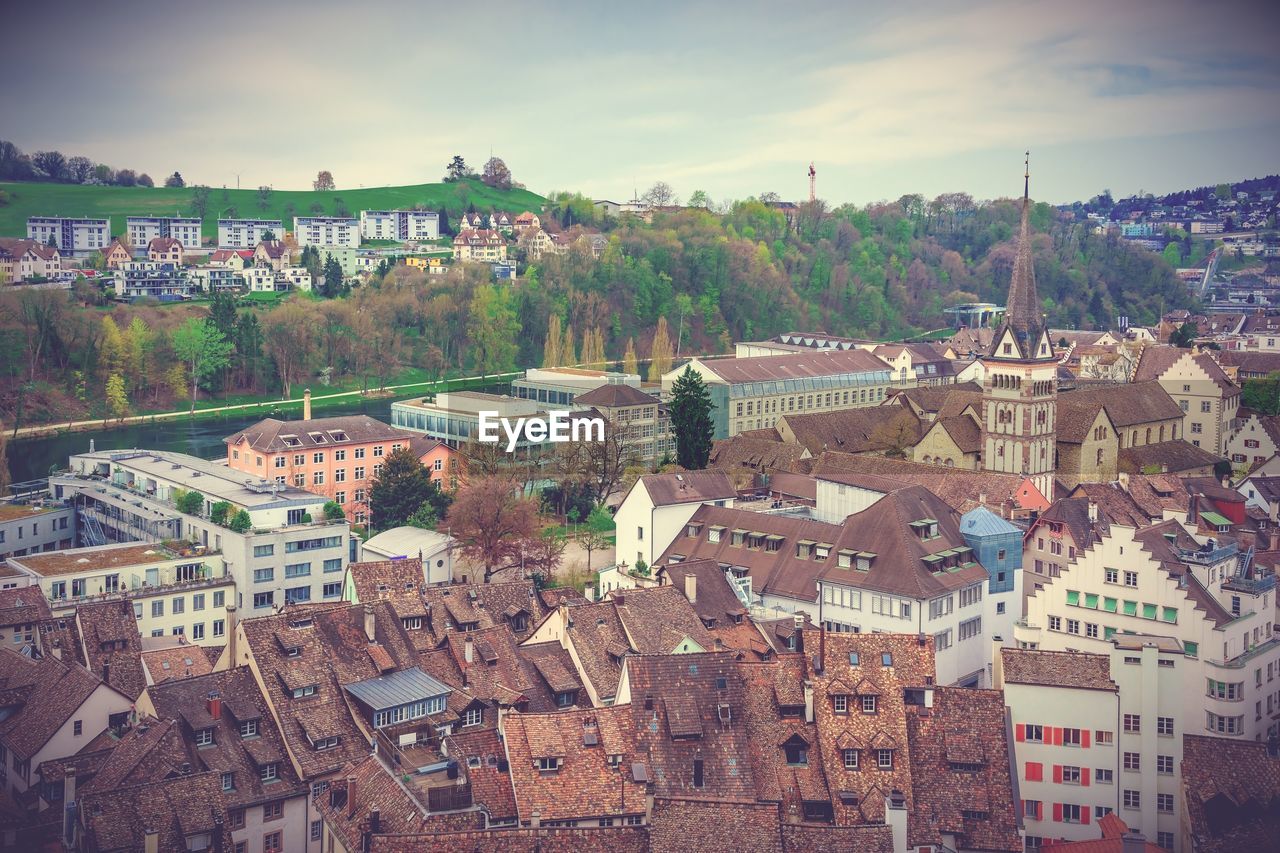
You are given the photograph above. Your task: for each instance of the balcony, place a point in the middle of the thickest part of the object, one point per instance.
(438, 784)
(1250, 586)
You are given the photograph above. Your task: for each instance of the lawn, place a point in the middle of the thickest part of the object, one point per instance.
(36, 199)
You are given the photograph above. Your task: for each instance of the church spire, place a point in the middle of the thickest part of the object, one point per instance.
(1022, 314)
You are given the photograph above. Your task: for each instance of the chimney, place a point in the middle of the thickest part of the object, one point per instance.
(1273, 511)
(691, 587)
(351, 797)
(231, 635)
(467, 650)
(369, 625)
(106, 672)
(217, 832)
(1093, 512)
(375, 821)
(215, 705)
(1226, 482)
(306, 404)
(1133, 842)
(69, 786)
(150, 840)
(57, 645)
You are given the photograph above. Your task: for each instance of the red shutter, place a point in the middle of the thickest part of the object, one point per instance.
(1040, 810)
(1033, 772)
(1020, 732)
(1057, 812)
(1084, 739)
(1084, 814)
(1057, 774)
(1057, 735)
(1084, 776)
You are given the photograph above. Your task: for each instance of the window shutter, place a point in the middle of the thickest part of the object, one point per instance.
(1084, 776)
(1057, 735)
(1084, 814)
(1020, 732)
(1084, 738)
(1057, 774)
(1040, 810)
(1057, 812)
(1035, 771)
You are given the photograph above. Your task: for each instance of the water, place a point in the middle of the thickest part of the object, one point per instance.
(31, 459)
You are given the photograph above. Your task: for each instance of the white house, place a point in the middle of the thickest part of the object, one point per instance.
(656, 509)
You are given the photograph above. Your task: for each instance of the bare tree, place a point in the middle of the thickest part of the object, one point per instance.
(660, 195)
(324, 180)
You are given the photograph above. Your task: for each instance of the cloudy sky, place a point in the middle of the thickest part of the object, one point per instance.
(734, 98)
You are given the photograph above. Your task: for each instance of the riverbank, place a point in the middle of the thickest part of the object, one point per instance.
(262, 408)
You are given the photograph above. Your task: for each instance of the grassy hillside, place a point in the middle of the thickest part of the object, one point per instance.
(33, 199)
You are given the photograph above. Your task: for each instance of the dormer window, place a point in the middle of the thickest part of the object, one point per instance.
(204, 737)
(840, 703)
(715, 533)
(249, 728)
(300, 692)
(773, 542)
(270, 771)
(228, 781)
(864, 560)
(547, 764)
(884, 759)
(412, 623)
(844, 559)
(886, 659)
(693, 530)
(804, 549)
(326, 743)
(797, 751)
(868, 704)
(853, 659)
(821, 552)
(739, 538)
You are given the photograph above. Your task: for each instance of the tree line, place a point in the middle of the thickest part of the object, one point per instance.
(55, 167)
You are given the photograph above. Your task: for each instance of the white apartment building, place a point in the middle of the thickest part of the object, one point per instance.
(657, 508)
(289, 553)
(248, 233)
(143, 229)
(327, 231)
(402, 225)
(72, 236)
(1162, 581)
(175, 591)
(1098, 733)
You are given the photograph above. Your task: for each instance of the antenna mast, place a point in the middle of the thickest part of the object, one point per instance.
(813, 183)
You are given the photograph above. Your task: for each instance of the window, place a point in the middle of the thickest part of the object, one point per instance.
(272, 843)
(333, 590)
(1132, 761)
(1032, 809)
(942, 640)
(1224, 725)
(840, 703)
(1132, 799)
(1055, 623)
(1070, 737)
(1070, 813)
(197, 601)
(797, 752)
(850, 757)
(884, 759)
(1132, 723)
(550, 765)
(219, 627)
(334, 565)
(77, 728)
(157, 609)
(204, 737)
(1130, 578)
(868, 704)
(1229, 690)
(264, 575)
(270, 772)
(263, 599)
(1112, 575)
(298, 570)
(249, 728)
(273, 811)
(1103, 776)
(1164, 764)
(228, 781)
(235, 817)
(317, 829)
(473, 717)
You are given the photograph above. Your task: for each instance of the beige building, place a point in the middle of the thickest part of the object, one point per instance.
(1208, 397)
(645, 423)
(479, 244)
(165, 251)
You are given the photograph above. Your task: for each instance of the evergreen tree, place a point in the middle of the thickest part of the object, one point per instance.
(117, 399)
(400, 489)
(629, 362)
(222, 313)
(691, 420)
(333, 280)
(551, 349)
(660, 352)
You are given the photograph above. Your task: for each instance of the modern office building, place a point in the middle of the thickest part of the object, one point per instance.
(72, 236)
(558, 387)
(402, 225)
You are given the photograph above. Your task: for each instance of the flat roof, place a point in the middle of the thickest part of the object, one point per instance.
(212, 479)
(9, 512)
(54, 563)
(396, 688)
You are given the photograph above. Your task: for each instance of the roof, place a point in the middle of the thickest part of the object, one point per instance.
(688, 487)
(1023, 312)
(982, 522)
(1057, 669)
(275, 436)
(97, 558)
(485, 604)
(1167, 457)
(862, 430)
(612, 396)
(746, 454)
(1232, 793)
(394, 689)
(273, 248)
(1128, 406)
(182, 661)
(374, 789)
(803, 365)
(1155, 361)
(176, 808)
(163, 244)
(46, 691)
(112, 645)
(1164, 550)
(23, 605)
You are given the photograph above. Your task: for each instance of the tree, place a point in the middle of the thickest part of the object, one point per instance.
(52, 163)
(334, 281)
(241, 522)
(551, 347)
(493, 522)
(145, 180)
(264, 198)
(400, 489)
(1173, 255)
(175, 180)
(324, 180)
(593, 541)
(200, 200)
(691, 420)
(541, 555)
(203, 349)
(1184, 335)
(700, 199)
(333, 511)
(629, 362)
(496, 174)
(188, 502)
(568, 348)
(424, 517)
(456, 169)
(660, 352)
(126, 178)
(4, 462)
(659, 195)
(79, 169)
(117, 399)
(494, 329)
(219, 511)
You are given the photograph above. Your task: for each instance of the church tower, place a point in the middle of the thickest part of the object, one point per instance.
(1020, 391)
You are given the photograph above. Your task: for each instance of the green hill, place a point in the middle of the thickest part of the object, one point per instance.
(40, 199)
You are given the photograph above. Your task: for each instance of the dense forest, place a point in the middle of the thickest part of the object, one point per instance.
(885, 271)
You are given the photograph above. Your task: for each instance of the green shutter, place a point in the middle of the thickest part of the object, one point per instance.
(1131, 608)
(1192, 649)
(1108, 633)
(1171, 614)
(1091, 600)
(1148, 611)
(1109, 604)
(1073, 598)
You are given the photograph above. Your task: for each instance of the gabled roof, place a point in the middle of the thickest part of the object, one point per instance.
(1232, 793)
(46, 692)
(1127, 406)
(863, 430)
(615, 395)
(1167, 457)
(1057, 669)
(112, 623)
(175, 808)
(688, 487)
(1156, 360)
(275, 436)
(803, 365)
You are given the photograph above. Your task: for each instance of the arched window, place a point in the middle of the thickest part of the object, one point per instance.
(1148, 435)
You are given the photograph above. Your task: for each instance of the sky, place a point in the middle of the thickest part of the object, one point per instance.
(732, 98)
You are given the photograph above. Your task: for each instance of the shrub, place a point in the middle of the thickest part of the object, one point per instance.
(240, 522)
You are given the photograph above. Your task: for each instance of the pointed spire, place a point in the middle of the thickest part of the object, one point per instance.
(1022, 313)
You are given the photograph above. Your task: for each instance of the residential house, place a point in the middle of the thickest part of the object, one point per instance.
(479, 244)
(163, 285)
(116, 255)
(327, 231)
(643, 424)
(657, 507)
(537, 243)
(527, 222)
(501, 222)
(227, 259)
(335, 457)
(54, 708)
(273, 254)
(184, 812)
(141, 230)
(401, 225)
(248, 233)
(753, 462)
(23, 260)
(1255, 439)
(72, 237)
(1207, 396)
(32, 528)
(166, 251)
(754, 393)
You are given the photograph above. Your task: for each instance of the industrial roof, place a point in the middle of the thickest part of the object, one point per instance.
(396, 688)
